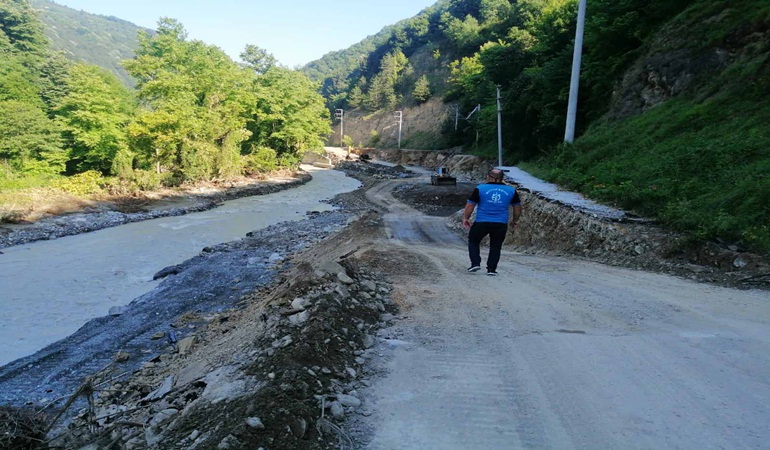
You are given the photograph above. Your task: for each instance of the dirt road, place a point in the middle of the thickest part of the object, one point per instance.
(553, 353)
(559, 353)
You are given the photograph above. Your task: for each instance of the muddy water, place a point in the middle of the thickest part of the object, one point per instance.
(49, 289)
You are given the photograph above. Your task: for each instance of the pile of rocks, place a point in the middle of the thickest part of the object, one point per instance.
(375, 171)
(282, 372)
(552, 228)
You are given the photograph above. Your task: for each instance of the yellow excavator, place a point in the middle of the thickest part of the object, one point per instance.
(441, 177)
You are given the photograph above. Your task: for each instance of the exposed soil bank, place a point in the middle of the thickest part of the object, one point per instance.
(163, 325)
(562, 229)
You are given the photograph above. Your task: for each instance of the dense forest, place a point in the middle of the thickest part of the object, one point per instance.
(672, 107)
(672, 113)
(103, 41)
(194, 114)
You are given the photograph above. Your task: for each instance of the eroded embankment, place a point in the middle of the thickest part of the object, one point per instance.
(550, 228)
(260, 369)
(279, 373)
(556, 228)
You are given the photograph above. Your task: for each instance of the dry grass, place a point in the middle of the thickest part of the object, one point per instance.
(21, 429)
(28, 205)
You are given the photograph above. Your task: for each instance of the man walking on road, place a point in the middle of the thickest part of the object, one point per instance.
(493, 200)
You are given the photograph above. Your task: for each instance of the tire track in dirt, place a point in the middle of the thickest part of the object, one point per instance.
(561, 353)
(407, 224)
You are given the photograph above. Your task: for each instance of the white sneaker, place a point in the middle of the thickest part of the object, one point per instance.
(474, 268)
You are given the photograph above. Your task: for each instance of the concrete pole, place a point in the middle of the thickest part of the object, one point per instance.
(569, 132)
(400, 116)
(499, 130)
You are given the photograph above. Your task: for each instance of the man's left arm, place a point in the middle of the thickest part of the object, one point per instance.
(516, 205)
(516, 214)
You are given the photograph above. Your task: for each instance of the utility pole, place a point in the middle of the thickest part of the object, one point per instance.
(499, 130)
(457, 115)
(476, 109)
(399, 119)
(569, 132)
(338, 113)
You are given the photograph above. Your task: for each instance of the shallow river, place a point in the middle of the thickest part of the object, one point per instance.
(49, 289)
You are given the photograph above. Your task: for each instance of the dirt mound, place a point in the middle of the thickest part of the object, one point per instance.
(376, 171)
(435, 200)
(280, 373)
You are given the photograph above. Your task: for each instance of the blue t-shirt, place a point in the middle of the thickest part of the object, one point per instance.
(492, 200)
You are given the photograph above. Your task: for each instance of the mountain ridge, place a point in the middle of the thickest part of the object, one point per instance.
(92, 38)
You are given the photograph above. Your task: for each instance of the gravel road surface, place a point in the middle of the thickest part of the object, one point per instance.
(560, 353)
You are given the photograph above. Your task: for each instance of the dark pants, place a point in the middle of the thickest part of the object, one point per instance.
(496, 232)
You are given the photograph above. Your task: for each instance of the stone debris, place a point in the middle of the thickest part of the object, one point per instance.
(158, 335)
(185, 346)
(336, 410)
(300, 303)
(345, 278)
(255, 378)
(117, 310)
(348, 400)
(163, 390)
(255, 422)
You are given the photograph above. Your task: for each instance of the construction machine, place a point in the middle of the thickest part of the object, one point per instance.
(442, 178)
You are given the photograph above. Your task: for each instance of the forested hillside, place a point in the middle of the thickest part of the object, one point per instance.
(672, 101)
(89, 38)
(194, 115)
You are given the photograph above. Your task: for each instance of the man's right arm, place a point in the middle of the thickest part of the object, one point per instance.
(516, 205)
(472, 202)
(467, 214)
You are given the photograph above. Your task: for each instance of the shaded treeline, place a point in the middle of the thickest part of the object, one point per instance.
(673, 95)
(195, 114)
(461, 50)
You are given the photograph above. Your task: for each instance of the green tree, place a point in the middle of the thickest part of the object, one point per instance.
(29, 140)
(93, 116)
(422, 89)
(464, 34)
(17, 81)
(53, 79)
(356, 98)
(382, 92)
(21, 28)
(258, 59)
(196, 100)
(468, 78)
(290, 116)
(494, 12)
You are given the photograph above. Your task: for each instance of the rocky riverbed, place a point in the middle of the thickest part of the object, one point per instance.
(126, 351)
(266, 341)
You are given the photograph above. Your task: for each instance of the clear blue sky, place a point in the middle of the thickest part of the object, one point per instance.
(294, 31)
